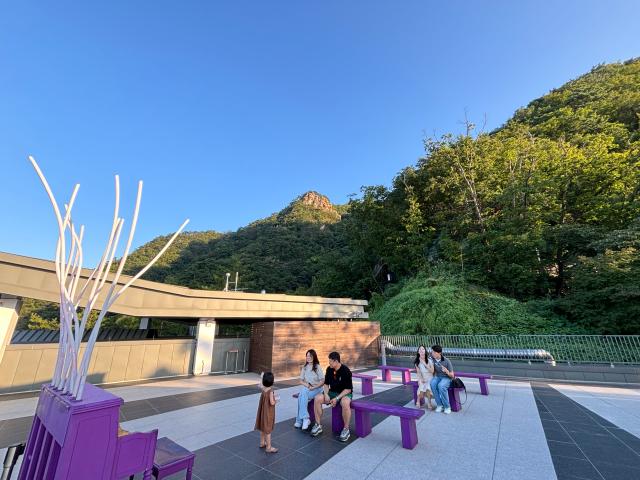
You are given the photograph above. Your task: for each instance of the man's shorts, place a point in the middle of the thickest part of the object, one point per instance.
(333, 395)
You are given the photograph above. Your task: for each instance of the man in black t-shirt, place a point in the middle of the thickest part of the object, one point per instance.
(338, 389)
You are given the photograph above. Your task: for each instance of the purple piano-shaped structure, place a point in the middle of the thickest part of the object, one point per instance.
(78, 440)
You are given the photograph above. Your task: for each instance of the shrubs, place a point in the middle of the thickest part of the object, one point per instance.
(445, 305)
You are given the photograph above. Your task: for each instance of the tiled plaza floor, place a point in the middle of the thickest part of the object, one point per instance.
(520, 431)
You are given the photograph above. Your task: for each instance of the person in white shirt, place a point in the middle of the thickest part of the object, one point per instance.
(311, 379)
(424, 371)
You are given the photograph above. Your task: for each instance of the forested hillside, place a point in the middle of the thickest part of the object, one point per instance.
(544, 210)
(534, 227)
(279, 254)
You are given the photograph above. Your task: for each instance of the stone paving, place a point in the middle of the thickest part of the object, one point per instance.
(521, 430)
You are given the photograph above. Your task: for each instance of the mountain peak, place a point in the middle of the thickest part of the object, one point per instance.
(310, 207)
(314, 200)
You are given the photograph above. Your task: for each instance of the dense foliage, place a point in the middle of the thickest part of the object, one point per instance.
(444, 303)
(280, 254)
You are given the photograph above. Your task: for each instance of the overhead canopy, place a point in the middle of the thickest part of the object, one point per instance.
(35, 278)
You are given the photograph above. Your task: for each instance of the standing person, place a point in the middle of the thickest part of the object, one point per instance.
(311, 379)
(443, 373)
(424, 371)
(337, 390)
(266, 416)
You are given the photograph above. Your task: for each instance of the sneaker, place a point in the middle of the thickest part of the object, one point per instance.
(345, 434)
(297, 425)
(438, 409)
(447, 410)
(305, 423)
(316, 430)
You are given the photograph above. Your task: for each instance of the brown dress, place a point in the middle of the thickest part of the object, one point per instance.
(266, 416)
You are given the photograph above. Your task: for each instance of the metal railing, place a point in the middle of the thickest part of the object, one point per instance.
(609, 349)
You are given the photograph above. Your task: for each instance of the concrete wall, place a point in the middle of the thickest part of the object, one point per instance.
(26, 367)
(220, 348)
(562, 371)
(280, 346)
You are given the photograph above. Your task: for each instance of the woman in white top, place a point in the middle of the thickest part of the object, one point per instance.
(424, 371)
(312, 380)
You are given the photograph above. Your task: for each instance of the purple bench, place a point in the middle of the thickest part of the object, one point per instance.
(337, 424)
(408, 417)
(454, 399)
(367, 382)
(312, 413)
(171, 458)
(454, 396)
(482, 377)
(134, 454)
(387, 369)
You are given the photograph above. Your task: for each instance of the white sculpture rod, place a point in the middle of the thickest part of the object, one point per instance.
(109, 300)
(65, 331)
(68, 375)
(99, 282)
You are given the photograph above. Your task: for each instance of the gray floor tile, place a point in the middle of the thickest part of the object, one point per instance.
(615, 471)
(600, 450)
(258, 456)
(263, 475)
(563, 449)
(572, 466)
(296, 466)
(232, 468)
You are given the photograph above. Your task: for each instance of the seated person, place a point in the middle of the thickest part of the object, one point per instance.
(338, 389)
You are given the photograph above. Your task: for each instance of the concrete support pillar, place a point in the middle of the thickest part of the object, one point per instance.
(144, 323)
(9, 312)
(205, 337)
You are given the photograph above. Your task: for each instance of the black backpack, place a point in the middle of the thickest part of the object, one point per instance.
(457, 383)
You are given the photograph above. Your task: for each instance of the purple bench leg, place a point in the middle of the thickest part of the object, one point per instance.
(386, 375)
(415, 393)
(367, 386)
(406, 377)
(484, 387)
(409, 432)
(363, 423)
(454, 399)
(312, 412)
(337, 424)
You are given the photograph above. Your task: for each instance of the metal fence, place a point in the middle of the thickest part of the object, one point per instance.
(611, 349)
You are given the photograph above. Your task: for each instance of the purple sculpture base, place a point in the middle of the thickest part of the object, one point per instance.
(78, 440)
(72, 439)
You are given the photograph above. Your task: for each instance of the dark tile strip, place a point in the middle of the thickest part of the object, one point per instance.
(15, 430)
(583, 444)
(299, 453)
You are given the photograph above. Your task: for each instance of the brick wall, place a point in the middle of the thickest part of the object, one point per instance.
(280, 346)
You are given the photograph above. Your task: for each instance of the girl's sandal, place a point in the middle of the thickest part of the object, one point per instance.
(271, 450)
(262, 446)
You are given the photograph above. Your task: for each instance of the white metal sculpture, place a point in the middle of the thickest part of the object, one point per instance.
(71, 370)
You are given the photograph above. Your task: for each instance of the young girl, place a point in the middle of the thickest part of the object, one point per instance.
(266, 416)
(424, 370)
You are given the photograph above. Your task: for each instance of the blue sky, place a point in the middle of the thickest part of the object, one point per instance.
(229, 110)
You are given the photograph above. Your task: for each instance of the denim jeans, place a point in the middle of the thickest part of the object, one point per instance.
(440, 389)
(304, 395)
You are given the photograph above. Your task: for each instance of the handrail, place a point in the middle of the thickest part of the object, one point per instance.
(608, 349)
